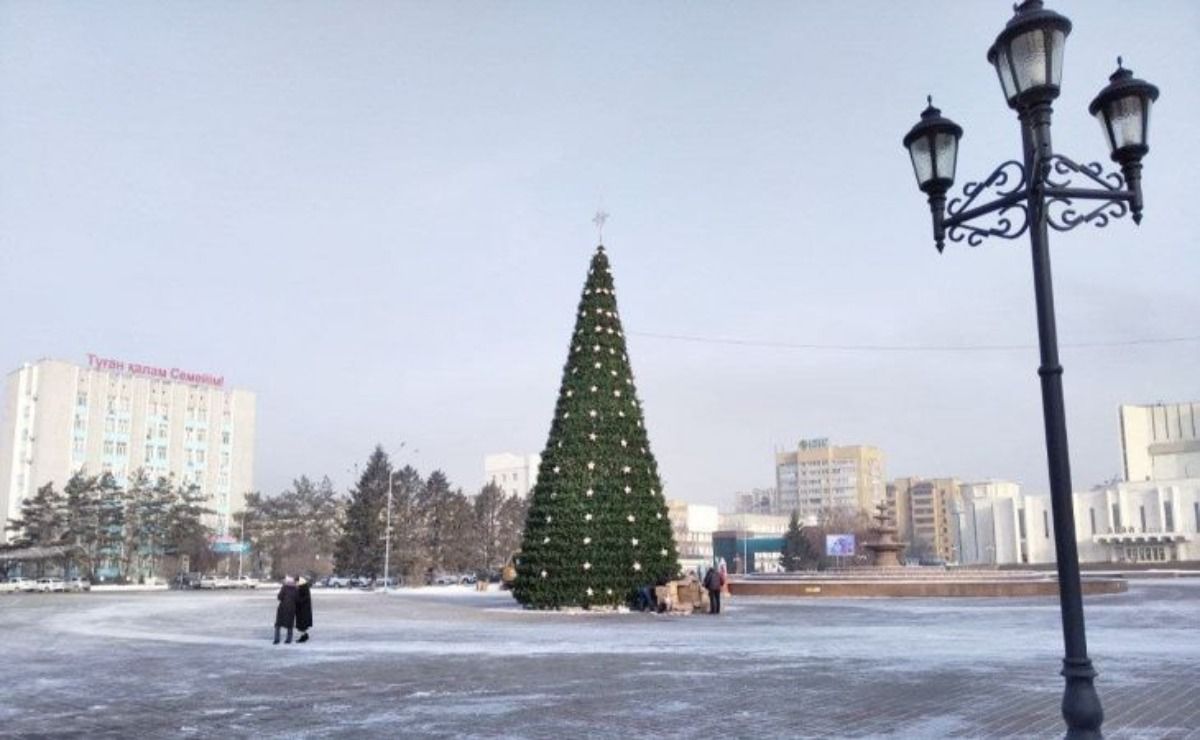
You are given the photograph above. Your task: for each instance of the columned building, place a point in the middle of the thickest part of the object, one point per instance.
(118, 417)
(1139, 521)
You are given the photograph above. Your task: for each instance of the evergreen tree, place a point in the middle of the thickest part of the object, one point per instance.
(438, 509)
(42, 521)
(408, 549)
(597, 526)
(360, 548)
(488, 505)
(798, 552)
(512, 524)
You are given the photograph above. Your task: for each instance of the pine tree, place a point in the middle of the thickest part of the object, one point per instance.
(597, 526)
(797, 552)
(360, 548)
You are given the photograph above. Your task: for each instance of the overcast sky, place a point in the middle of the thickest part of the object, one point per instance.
(377, 216)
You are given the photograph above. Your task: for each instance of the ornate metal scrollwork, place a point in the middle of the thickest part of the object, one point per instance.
(1066, 168)
(1062, 214)
(1005, 227)
(998, 182)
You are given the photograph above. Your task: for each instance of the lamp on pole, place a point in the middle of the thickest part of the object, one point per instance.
(1035, 194)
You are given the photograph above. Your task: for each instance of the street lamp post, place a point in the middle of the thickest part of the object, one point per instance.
(1036, 194)
(387, 547)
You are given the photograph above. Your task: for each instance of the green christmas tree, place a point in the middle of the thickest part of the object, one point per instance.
(597, 526)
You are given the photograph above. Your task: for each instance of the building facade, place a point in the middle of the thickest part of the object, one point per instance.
(117, 417)
(818, 476)
(998, 524)
(750, 543)
(1139, 521)
(1161, 441)
(693, 526)
(515, 474)
(756, 501)
(926, 513)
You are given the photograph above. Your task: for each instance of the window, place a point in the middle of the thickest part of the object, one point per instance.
(110, 425)
(1169, 516)
(81, 398)
(149, 455)
(1142, 512)
(162, 431)
(1116, 517)
(80, 424)
(199, 457)
(123, 426)
(1021, 522)
(79, 448)
(1046, 522)
(225, 437)
(200, 435)
(162, 453)
(1092, 518)
(108, 447)
(122, 449)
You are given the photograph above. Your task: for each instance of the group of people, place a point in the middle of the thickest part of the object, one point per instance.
(295, 609)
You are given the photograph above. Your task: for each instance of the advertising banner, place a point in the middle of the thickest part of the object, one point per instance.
(839, 545)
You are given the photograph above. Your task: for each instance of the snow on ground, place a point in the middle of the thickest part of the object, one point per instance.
(451, 661)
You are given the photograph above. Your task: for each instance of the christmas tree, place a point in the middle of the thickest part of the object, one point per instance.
(597, 528)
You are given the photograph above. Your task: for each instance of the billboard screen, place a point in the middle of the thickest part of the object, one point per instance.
(839, 545)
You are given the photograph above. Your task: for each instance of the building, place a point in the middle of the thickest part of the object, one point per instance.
(1161, 441)
(818, 476)
(926, 513)
(750, 542)
(112, 416)
(756, 501)
(515, 474)
(1139, 521)
(1000, 525)
(693, 526)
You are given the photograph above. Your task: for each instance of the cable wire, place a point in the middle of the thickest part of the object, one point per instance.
(907, 347)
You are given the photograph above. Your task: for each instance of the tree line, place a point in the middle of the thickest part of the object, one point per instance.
(147, 528)
(99, 529)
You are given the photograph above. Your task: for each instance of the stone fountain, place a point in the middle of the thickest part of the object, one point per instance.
(885, 547)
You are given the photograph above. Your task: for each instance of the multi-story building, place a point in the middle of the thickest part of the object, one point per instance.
(1000, 525)
(926, 512)
(1161, 441)
(693, 526)
(515, 474)
(756, 501)
(111, 416)
(1139, 521)
(750, 543)
(818, 476)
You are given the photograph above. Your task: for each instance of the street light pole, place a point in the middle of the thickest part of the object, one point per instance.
(387, 548)
(1038, 194)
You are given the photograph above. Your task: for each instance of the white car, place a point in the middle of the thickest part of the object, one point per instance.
(9, 587)
(208, 582)
(51, 585)
(245, 582)
(79, 584)
(18, 585)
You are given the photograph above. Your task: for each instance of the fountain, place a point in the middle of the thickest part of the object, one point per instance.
(885, 547)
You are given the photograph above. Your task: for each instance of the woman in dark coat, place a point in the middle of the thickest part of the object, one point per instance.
(285, 613)
(303, 609)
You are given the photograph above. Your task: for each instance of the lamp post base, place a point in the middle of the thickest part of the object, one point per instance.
(1081, 704)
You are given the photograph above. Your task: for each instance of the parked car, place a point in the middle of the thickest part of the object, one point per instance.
(468, 578)
(23, 585)
(443, 579)
(11, 586)
(51, 585)
(208, 582)
(245, 582)
(79, 584)
(381, 582)
(185, 581)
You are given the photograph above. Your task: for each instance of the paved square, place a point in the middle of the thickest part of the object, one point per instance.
(444, 662)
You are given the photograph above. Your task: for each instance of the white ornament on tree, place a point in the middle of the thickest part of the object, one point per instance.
(634, 541)
(630, 518)
(544, 574)
(591, 465)
(588, 493)
(637, 565)
(587, 566)
(628, 489)
(587, 540)
(588, 517)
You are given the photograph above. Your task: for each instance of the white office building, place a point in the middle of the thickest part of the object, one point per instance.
(1139, 521)
(516, 475)
(118, 417)
(693, 526)
(1161, 441)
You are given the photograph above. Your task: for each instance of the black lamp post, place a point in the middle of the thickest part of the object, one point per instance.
(1035, 194)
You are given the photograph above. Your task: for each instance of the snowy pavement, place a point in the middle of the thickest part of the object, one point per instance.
(450, 662)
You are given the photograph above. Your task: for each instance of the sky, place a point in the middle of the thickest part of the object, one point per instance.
(377, 216)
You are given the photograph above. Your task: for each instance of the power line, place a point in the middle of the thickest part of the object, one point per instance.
(906, 347)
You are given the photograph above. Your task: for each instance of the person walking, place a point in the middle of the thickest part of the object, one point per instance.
(304, 619)
(285, 613)
(712, 584)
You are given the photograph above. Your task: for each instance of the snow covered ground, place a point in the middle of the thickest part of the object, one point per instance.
(453, 662)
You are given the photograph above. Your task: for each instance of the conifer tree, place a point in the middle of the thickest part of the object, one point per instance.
(597, 526)
(360, 548)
